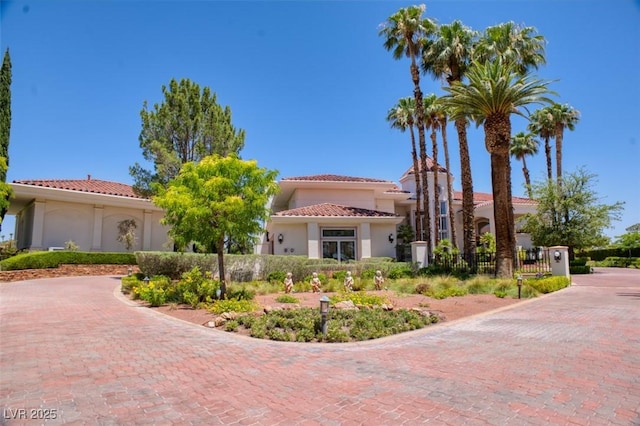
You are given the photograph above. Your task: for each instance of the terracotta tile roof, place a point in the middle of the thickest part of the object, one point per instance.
(95, 186)
(483, 198)
(430, 167)
(333, 210)
(334, 178)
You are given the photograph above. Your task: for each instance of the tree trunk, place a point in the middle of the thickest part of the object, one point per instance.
(436, 189)
(497, 139)
(527, 178)
(416, 173)
(547, 153)
(559, 137)
(426, 224)
(468, 232)
(445, 147)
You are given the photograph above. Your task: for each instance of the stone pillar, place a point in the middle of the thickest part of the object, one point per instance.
(146, 230)
(38, 225)
(313, 240)
(559, 258)
(419, 253)
(365, 241)
(98, 213)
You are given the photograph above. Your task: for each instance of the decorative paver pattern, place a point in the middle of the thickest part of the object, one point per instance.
(74, 345)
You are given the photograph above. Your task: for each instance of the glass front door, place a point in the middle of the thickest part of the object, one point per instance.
(339, 250)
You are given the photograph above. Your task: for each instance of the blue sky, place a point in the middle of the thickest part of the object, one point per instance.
(309, 81)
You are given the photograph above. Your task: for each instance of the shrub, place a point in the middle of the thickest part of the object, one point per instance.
(401, 272)
(577, 270)
(240, 292)
(359, 298)
(548, 285)
(443, 293)
(276, 277)
(196, 287)
(233, 305)
(53, 259)
(152, 294)
(286, 298)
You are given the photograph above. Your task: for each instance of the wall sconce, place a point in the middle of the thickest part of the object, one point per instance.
(280, 238)
(391, 238)
(557, 256)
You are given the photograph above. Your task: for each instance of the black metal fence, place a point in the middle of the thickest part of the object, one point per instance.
(532, 261)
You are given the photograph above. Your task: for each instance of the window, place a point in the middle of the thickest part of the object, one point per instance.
(339, 244)
(444, 222)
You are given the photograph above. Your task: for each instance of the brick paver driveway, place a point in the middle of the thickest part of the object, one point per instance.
(73, 350)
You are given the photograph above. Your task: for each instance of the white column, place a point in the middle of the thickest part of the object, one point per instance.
(559, 258)
(365, 241)
(39, 208)
(98, 214)
(419, 253)
(313, 240)
(146, 231)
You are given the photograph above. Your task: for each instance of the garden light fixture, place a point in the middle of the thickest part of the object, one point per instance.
(280, 238)
(519, 285)
(146, 280)
(391, 238)
(557, 255)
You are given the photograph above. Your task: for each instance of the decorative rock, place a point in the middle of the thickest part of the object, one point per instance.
(346, 305)
(229, 315)
(387, 307)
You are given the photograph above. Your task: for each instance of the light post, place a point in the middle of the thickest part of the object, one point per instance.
(146, 280)
(324, 310)
(519, 285)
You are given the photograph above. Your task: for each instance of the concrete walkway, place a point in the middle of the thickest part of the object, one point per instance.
(72, 349)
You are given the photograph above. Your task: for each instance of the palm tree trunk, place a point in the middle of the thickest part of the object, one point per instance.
(445, 147)
(436, 189)
(416, 175)
(527, 178)
(497, 139)
(547, 153)
(468, 233)
(559, 137)
(426, 224)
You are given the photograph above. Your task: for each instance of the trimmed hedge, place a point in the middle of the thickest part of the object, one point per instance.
(243, 268)
(549, 284)
(53, 259)
(602, 254)
(579, 269)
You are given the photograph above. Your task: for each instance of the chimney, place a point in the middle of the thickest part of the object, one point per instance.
(89, 177)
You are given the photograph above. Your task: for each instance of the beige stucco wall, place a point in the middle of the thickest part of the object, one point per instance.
(295, 237)
(349, 197)
(380, 245)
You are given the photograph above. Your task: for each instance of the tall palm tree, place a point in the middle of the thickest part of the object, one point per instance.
(442, 116)
(541, 124)
(564, 117)
(405, 32)
(448, 58)
(432, 122)
(523, 144)
(402, 117)
(511, 43)
(495, 91)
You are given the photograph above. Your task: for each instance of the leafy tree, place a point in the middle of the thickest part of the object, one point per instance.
(405, 33)
(127, 233)
(523, 144)
(402, 117)
(570, 214)
(488, 242)
(5, 189)
(448, 57)
(217, 198)
(187, 126)
(5, 129)
(494, 92)
(633, 228)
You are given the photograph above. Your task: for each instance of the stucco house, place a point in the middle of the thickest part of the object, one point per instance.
(86, 211)
(319, 216)
(345, 217)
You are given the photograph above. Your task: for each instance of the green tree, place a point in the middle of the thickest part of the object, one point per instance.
(495, 91)
(406, 32)
(523, 144)
(570, 214)
(448, 58)
(216, 199)
(127, 233)
(432, 122)
(628, 241)
(5, 190)
(5, 128)
(402, 117)
(187, 126)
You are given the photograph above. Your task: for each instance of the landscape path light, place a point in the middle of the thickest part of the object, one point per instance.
(519, 285)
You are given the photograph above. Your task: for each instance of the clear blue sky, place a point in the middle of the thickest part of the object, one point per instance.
(309, 81)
